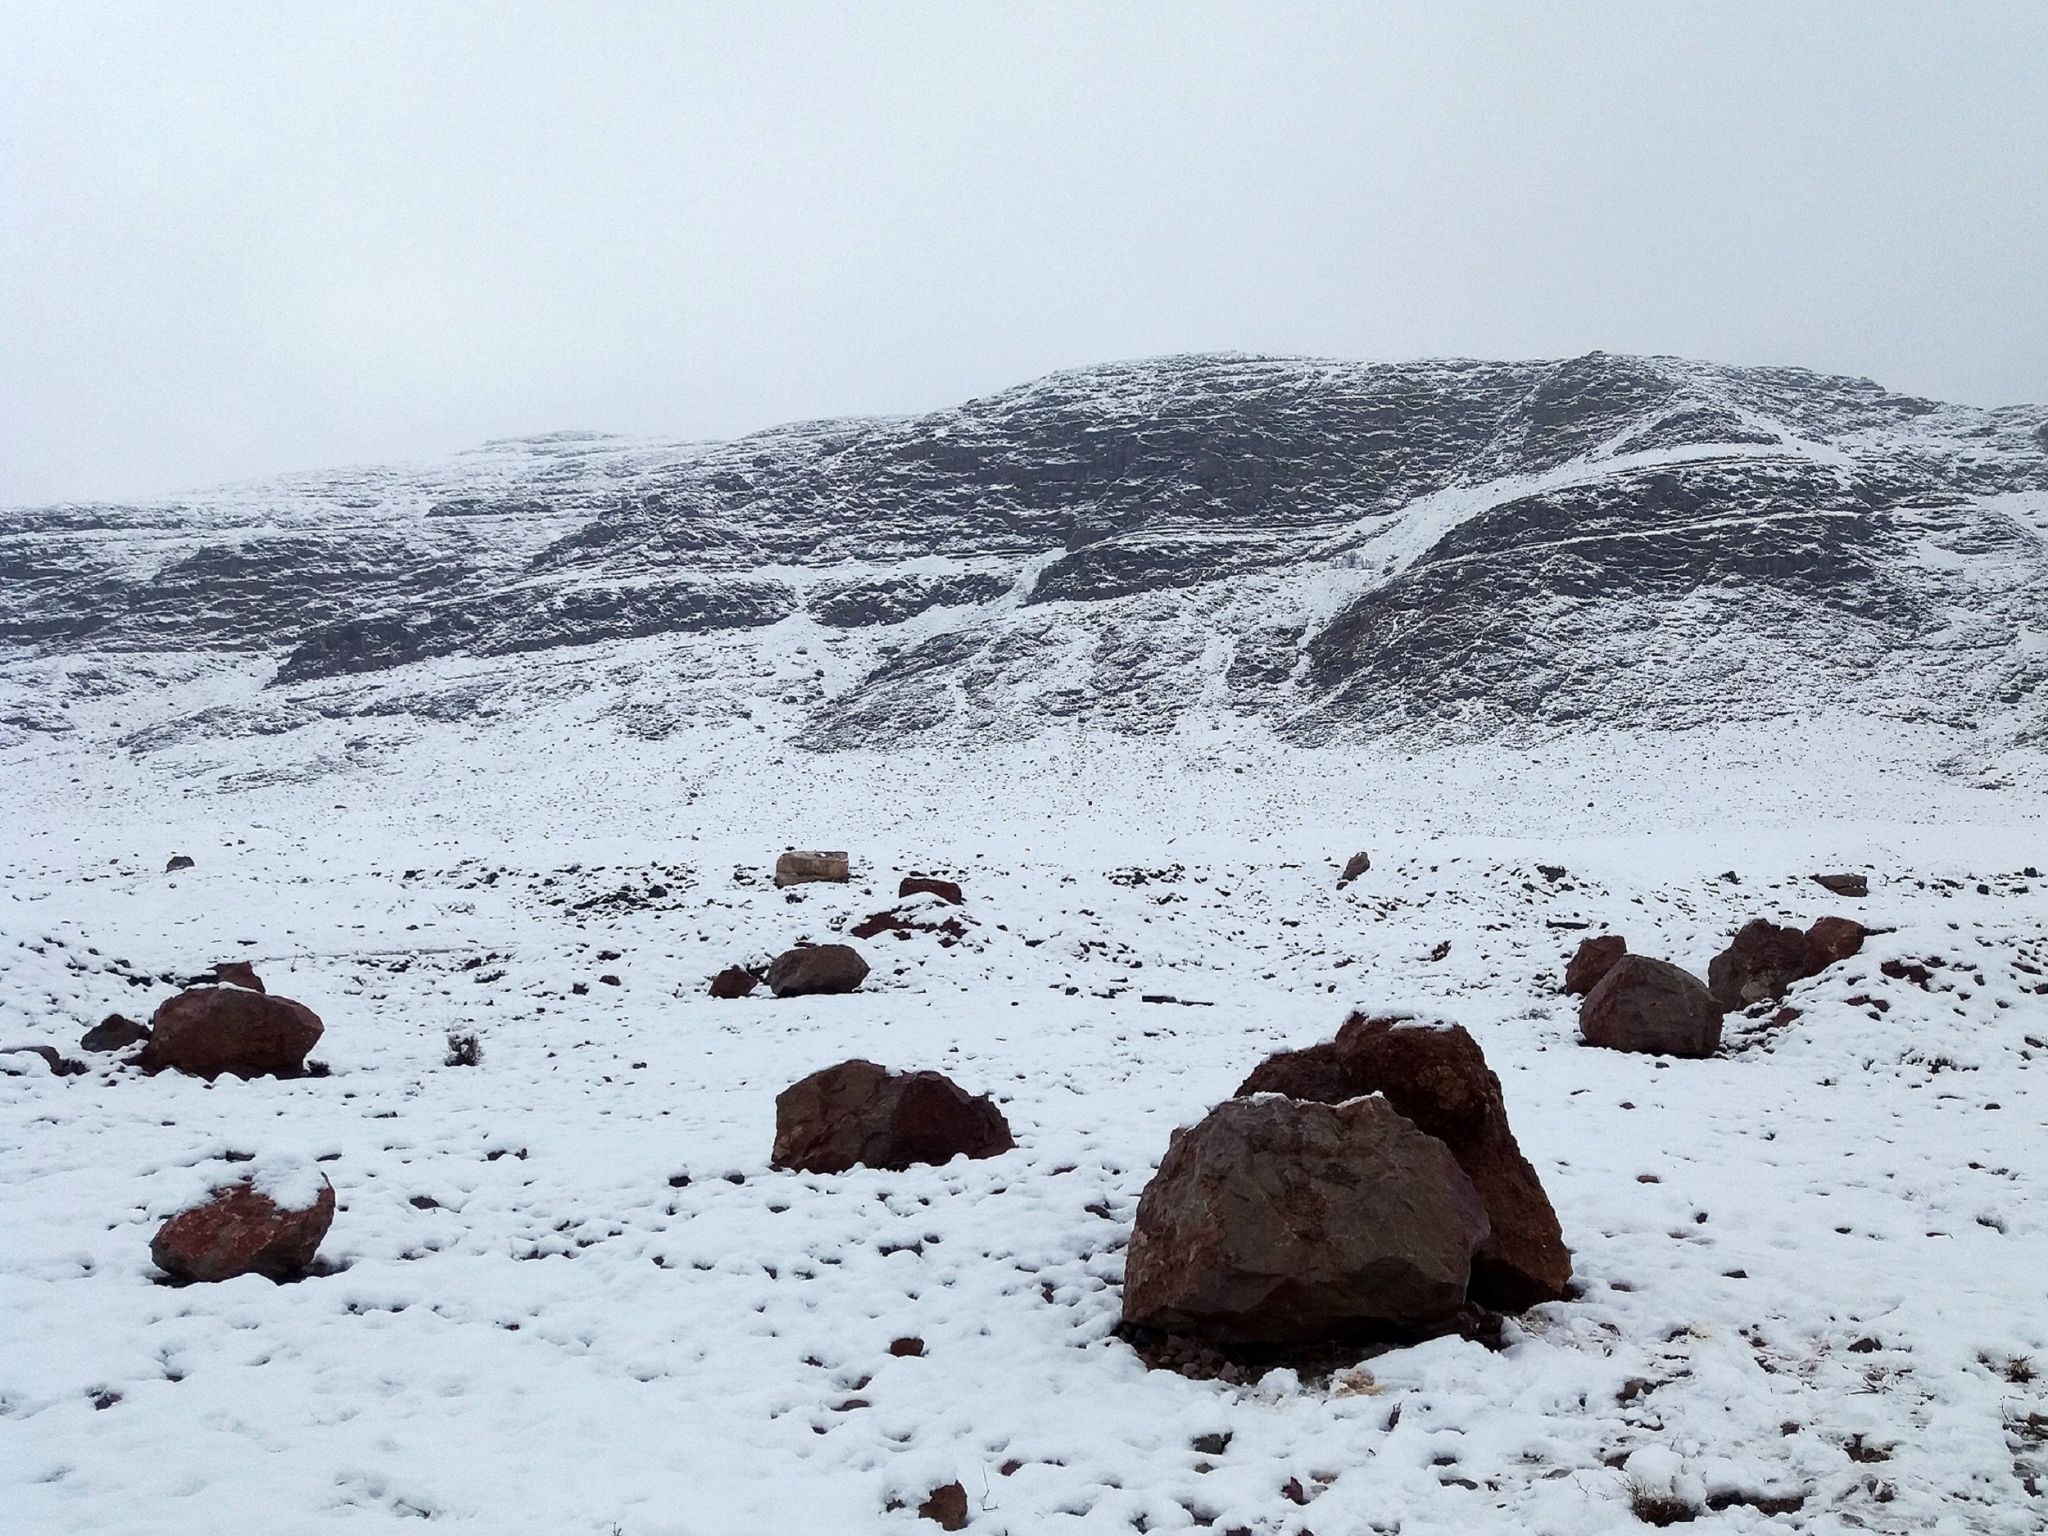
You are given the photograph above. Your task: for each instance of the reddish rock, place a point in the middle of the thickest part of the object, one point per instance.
(211, 1030)
(1436, 1076)
(816, 968)
(113, 1033)
(734, 981)
(1593, 959)
(59, 1064)
(858, 1113)
(238, 1231)
(1279, 1221)
(237, 973)
(929, 885)
(1831, 940)
(1845, 885)
(947, 1506)
(1760, 962)
(1358, 864)
(1652, 1006)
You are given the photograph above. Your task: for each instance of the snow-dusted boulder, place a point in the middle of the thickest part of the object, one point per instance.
(269, 1224)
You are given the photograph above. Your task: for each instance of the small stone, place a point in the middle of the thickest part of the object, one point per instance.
(1358, 864)
(947, 1507)
(733, 981)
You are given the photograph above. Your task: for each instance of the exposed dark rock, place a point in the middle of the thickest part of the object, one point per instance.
(1831, 940)
(1846, 885)
(177, 862)
(1279, 1221)
(816, 968)
(239, 1231)
(59, 1064)
(1355, 866)
(929, 885)
(861, 1114)
(1652, 1006)
(237, 973)
(1594, 958)
(1760, 962)
(211, 1030)
(946, 1506)
(114, 1033)
(734, 981)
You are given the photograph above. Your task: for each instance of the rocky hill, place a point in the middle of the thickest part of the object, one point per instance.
(1452, 548)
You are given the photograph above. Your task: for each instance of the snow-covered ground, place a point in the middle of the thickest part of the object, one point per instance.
(566, 1293)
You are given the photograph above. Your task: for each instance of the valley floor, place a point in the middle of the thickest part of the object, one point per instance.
(566, 1293)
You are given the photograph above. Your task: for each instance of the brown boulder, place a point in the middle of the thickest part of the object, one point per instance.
(794, 868)
(1845, 885)
(1652, 1006)
(930, 885)
(1359, 864)
(858, 1113)
(1436, 1076)
(1760, 962)
(1593, 959)
(946, 1507)
(113, 1033)
(239, 1231)
(237, 973)
(211, 1030)
(734, 981)
(1279, 1221)
(816, 968)
(1831, 940)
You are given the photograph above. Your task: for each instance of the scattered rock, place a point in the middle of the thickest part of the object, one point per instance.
(237, 973)
(1436, 1076)
(59, 1064)
(858, 1113)
(1279, 1221)
(947, 1506)
(1845, 885)
(734, 981)
(113, 1033)
(910, 1347)
(795, 868)
(1593, 959)
(945, 890)
(210, 1030)
(1650, 1005)
(903, 923)
(816, 968)
(1359, 864)
(178, 861)
(1760, 962)
(240, 1231)
(1831, 940)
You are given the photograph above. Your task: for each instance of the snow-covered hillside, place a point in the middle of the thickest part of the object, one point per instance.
(1454, 549)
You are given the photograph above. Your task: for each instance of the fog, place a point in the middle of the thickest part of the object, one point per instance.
(240, 239)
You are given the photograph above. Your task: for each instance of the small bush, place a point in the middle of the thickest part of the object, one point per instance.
(464, 1049)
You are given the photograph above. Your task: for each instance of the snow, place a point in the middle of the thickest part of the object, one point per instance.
(564, 1291)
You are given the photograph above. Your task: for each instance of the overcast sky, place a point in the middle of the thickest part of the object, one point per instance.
(237, 239)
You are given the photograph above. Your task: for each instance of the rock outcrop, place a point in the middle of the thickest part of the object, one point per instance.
(861, 1114)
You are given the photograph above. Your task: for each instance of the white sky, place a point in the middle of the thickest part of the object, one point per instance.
(236, 239)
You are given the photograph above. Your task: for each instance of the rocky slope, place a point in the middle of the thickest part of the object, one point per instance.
(1451, 548)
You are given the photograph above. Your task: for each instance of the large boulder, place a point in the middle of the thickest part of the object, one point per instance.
(243, 1230)
(1831, 940)
(211, 1030)
(1652, 1006)
(1279, 1221)
(795, 868)
(733, 981)
(1436, 1076)
(1760, 962)
(931, 885)
(816, 968)
(861, 1114)
(1593, 959)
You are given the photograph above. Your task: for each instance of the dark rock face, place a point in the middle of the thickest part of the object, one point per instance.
(1831, 940)
(1651, 1006)
(113, 1033)
(237, 973)
(1355, 866)
(1594, 958)
(241, 1232)
(733, 981)
(1760, 962)
(211, 1030)
(1845, 885)
(1278, 1221)
(1436, 1076)
(860, 1114)
(177, 862)
(945, 890)
(816, 968)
